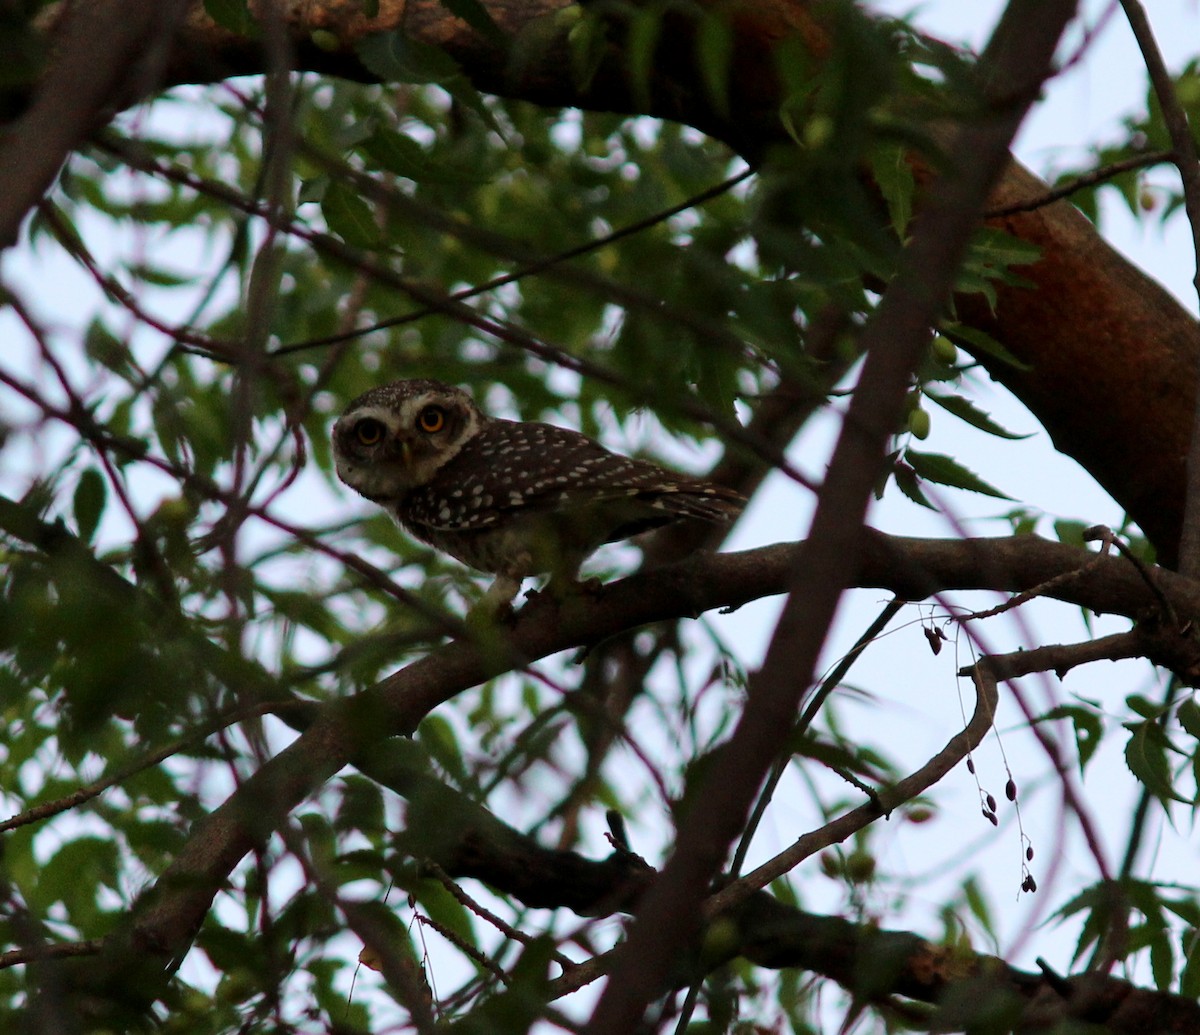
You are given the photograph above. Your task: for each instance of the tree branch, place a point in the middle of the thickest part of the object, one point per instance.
(109, 54)
(1188, 164)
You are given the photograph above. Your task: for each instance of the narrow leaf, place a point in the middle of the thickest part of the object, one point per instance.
(1189, 717)
(908, 483)
(1088, 728)
(1146, 757)
(395, 57)
(349, 216)
(88, 503)
(943, 470)
(475, 15)
(966, 410)
(981, 343)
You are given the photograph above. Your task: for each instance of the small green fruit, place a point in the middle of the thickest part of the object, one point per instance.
(860, 867)
(918, 423)
(817, 131)
(720, 939)
(566, 17)
(325, 40)
(944, 350)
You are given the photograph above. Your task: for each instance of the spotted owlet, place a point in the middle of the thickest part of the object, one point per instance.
(514, 498)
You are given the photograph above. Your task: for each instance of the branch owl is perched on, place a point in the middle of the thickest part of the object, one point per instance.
(508, 497)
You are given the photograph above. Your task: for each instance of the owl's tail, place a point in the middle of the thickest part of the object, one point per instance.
(706, 501)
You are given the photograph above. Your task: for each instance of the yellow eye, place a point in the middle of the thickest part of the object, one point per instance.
(431, 419)
(368, 431)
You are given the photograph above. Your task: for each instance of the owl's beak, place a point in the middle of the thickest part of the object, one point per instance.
(405, 448)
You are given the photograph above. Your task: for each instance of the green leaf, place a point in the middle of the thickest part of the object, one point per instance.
(977, 903)
(1162, 958)
(396, 57)
(361, 807)
(1143, 706)
(404, 157)
(349, 216)
(1089, 728)
(908, 483)
(1070, 531)
(641, 46)
(981, 343)
(88, 503)
(437, 736)
(158, 276)
(1002, 249)
(1146, 757)
(893, 173)
(966, 410)
(1188, 715)
(1189, 979)
(106, 348)
(943, 470)
(75, 874)
(714, 53)
(446, 910)
(233, 15)
(1096, 903)
(1187, 909)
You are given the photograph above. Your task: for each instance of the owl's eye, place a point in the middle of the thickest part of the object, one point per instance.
(369, 431)
(431, 419)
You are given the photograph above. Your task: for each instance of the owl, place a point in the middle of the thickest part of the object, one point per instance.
(513, 498)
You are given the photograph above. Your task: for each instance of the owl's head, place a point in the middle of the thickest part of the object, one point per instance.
(394, 438)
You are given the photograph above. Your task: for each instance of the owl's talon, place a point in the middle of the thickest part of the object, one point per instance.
(489, 614)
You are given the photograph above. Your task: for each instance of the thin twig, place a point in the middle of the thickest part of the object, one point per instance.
(1040, 590)
(527, 270)
(486, 914)
(480, 958)
(92, 790)
(15, 957)
(1109, 538)
(401, 974)
(1188, 163)
(828, 684)
(1081, 182)
(984, 673)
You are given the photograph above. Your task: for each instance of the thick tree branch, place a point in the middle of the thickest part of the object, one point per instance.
(110, 53)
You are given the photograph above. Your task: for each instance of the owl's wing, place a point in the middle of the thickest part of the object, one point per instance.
(527, 467)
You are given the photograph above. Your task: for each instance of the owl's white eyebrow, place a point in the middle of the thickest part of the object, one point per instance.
(380, 413)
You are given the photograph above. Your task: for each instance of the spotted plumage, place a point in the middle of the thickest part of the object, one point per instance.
(508, 497)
